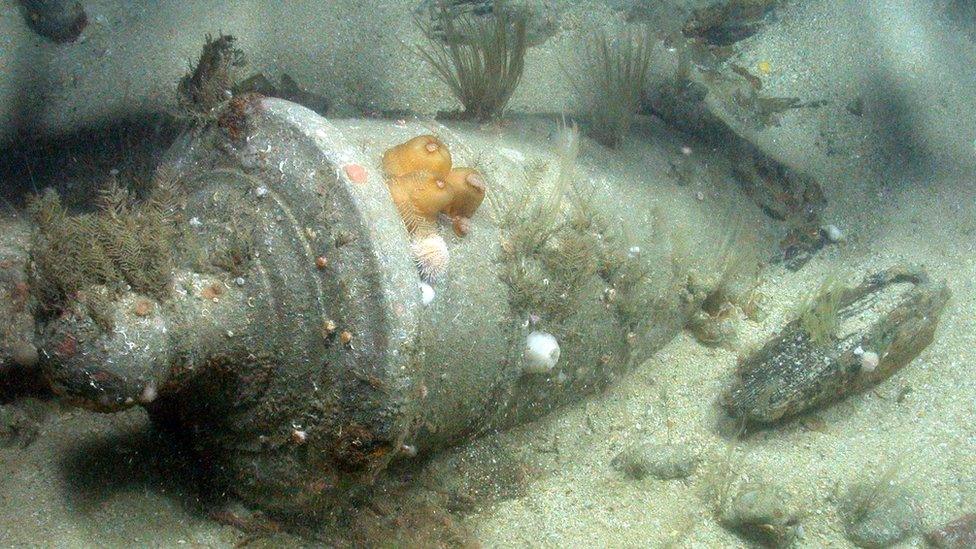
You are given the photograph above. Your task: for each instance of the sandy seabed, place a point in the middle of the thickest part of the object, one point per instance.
(92, 479)
(95, 480)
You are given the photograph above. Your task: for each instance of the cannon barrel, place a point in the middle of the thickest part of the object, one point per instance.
(17, 345)
(296, 344)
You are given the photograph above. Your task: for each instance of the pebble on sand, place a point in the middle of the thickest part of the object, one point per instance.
(659, 460)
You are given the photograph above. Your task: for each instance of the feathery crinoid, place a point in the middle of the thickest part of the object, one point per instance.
(610, 76)
(210, 82)
(545, 255)
(480, 58)
(555, 242)
(122, 243)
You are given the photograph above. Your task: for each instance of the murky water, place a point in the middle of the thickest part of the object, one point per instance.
(475, 273)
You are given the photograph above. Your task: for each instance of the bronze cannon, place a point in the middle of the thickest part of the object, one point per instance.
(279, 320)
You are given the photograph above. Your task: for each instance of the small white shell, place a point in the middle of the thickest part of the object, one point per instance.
(869, 361)
(511, 154)
(541, 353)
(427, 293)
(833, 232)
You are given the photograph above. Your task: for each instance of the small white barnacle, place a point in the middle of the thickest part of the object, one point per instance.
(541, 353)
(427, 293)
(833, 233)
(869, 361)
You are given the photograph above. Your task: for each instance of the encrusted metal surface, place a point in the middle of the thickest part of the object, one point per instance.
(292, 346)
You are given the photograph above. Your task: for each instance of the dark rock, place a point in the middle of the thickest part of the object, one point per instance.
(257, 83)
(541, 16)
(661, 461)
(721, 104)
(725, 23)
(661, 16)
(958, 534)
(786, 195)
(794, 371)
(763, 514)
(291, 91)
(58, 20)
(287, 88)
